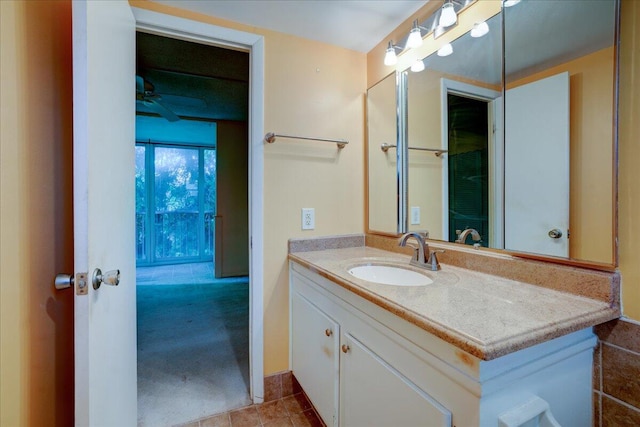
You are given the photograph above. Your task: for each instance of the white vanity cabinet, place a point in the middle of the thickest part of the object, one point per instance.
(315, 338)
(361, 365)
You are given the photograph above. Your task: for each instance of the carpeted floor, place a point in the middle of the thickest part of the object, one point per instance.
(193, 350)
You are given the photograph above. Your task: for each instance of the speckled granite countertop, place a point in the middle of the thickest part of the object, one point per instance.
(485, 315)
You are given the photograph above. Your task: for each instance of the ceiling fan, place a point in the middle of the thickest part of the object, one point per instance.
(146, 96)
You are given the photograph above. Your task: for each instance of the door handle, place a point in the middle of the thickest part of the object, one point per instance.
(555, 233)
(111, 278)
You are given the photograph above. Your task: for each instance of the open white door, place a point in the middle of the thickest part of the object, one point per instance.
(537, 167)
(103, 179)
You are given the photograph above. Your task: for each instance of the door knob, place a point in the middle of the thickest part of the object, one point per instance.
(111, 278)
(555, 233)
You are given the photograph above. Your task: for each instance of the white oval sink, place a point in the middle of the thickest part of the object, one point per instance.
(388, 275)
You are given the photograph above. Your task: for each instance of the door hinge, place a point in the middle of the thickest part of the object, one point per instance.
(82, 283)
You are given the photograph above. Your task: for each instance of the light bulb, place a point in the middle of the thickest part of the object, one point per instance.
(417, 66)
(415, 38)
(479, 29)
(448, 15)
(509, 3)
(445, 50)
(390, 57)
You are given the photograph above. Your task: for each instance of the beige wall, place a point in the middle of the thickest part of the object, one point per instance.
(629, 154)
(311, 89)
(36, 323)
(591, 141)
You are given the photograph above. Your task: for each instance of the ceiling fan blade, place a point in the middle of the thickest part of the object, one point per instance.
(139, 84)
(157, 107)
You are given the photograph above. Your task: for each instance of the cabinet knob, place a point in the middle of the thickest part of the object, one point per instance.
(328, 332)
(345, 348)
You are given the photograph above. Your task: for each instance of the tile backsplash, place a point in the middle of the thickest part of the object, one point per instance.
(616, 374)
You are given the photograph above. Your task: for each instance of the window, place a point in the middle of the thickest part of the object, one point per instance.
(175, 203)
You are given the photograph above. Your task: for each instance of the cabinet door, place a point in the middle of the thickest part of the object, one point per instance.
(314, 355)
(374, 393)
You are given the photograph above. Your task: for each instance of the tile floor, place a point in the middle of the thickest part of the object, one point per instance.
(290, 411)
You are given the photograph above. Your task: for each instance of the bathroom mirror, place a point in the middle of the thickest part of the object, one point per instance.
(529, 161)
(560, 113)
(455, 105)
(382, 167)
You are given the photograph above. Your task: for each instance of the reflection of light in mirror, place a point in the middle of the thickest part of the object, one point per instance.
(509, 3)
(445, 50)
(448, 15)
(417, 66)
(479, 29)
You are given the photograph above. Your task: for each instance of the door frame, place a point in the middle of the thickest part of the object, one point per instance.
(200, 32)
(496, 154)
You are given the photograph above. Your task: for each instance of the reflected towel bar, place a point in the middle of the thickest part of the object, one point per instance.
(271, 138)
(437, 151)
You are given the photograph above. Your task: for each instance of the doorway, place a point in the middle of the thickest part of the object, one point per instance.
(192, 315)
(473, 175)
(468, 164)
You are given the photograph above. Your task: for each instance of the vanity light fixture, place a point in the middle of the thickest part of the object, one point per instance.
(479, 29)
(509, 3)
(417, 66)
(445, 50)
(390, 57)
(448, 15)
(415, 36)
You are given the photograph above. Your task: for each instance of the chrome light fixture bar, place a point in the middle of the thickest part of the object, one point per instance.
(431, 25)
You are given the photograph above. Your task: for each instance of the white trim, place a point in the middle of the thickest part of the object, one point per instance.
(210, 34)
(496, 158)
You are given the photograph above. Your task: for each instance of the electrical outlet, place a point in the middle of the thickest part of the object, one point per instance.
(308, 218)
(415, 215)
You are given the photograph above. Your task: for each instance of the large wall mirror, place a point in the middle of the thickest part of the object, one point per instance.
(382, 169)
(513, 134)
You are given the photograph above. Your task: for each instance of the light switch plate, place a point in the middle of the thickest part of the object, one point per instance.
(308, 218)
(415, 215)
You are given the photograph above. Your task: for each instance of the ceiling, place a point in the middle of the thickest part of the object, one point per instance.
(194, 80)
(353, 24)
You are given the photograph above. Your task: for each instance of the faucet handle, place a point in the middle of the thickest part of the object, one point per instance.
(433, 259)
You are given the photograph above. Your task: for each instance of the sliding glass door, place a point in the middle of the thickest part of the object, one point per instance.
(175, 203)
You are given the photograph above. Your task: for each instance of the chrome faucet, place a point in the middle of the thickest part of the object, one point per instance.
(422, 257)
(463, 234)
